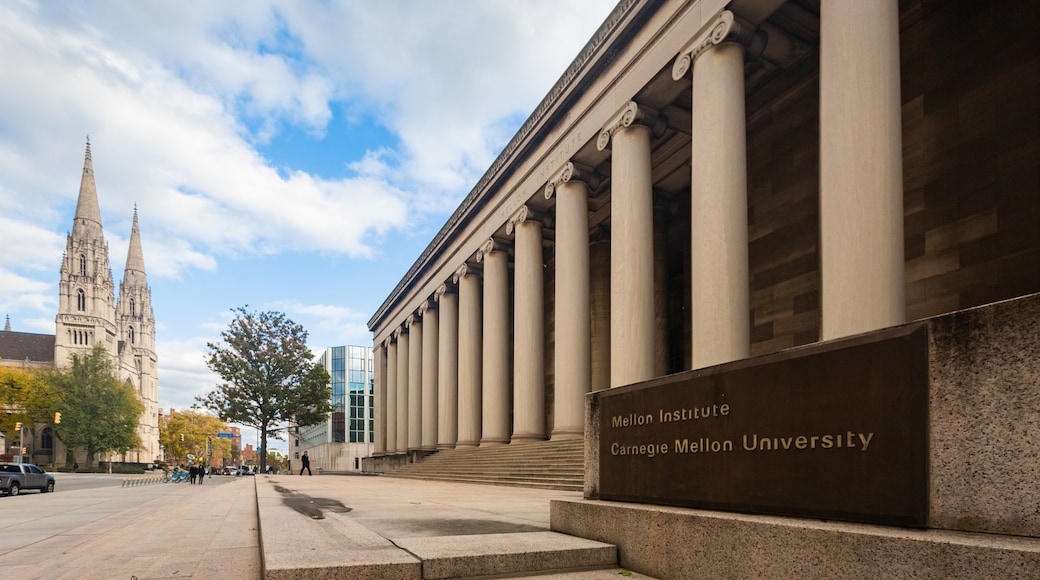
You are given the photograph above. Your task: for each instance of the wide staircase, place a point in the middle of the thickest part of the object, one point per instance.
(540, 464)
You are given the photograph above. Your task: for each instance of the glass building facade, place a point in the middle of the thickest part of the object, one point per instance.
(352, 420)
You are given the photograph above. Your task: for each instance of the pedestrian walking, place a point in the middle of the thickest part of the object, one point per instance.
(193, 473)
(202, 473)
(306, 464)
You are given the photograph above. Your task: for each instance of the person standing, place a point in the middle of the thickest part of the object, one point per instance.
(193, 472)
(202, 473)
(306, 464)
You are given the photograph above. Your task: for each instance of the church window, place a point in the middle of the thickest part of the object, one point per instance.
(130, 335)
(133, 308)
(81, 300)
(82, 265)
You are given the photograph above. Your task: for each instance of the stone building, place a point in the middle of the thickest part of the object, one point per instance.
(711, 181)
(89, 313)
(814, 176)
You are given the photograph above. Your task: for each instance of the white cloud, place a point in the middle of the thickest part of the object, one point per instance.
(171, 113)
(19, 292)
(179, 96)
(327, 325)
(183, 374)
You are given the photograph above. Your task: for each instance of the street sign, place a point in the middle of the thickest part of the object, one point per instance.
(226, 435)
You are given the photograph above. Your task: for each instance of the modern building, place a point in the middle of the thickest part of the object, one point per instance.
(341, 441)
(90, 313)
(711, 181)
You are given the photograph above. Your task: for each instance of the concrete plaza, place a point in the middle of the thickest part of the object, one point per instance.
(288, 526)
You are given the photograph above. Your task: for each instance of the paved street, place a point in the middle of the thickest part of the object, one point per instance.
(104, 530)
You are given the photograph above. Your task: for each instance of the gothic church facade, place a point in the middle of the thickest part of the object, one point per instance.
(90, 313)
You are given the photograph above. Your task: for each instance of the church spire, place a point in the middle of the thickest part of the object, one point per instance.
(134, 255)
(87, 225)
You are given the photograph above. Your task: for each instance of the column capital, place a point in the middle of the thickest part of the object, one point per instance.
(423, 307)
(465, 269)
(408, 322)
(492, 245)
(444, 289)
(571, 172)
(631, 114)
(725, 28)
(399, 331)
(522, 215)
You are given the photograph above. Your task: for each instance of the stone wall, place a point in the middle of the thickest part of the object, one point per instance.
(984, 462)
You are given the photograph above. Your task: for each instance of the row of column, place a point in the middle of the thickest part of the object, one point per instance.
(448, 376)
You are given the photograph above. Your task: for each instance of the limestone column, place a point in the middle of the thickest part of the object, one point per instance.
(497, 349)
(470, 358)
(403, 352)
(631, 245)
(448, 367)
(430, 329)
(720, 292)
(391, 394)
(528, 327)
(599, 306)
(861, 169)
(415, 378)
(379, 445)
(573, 344)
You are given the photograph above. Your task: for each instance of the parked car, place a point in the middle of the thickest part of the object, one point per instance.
(14, 477)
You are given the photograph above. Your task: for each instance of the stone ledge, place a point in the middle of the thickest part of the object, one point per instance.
(295, 546)
(669, 542)
(490, 554)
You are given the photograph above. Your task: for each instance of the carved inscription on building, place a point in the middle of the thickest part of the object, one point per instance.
(833, 431)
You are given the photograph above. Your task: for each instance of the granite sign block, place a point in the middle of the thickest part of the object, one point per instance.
(835, 433)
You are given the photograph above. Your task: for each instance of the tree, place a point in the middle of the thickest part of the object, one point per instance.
(271, 375)
(193, 432)
(98, 412)
(24, 398)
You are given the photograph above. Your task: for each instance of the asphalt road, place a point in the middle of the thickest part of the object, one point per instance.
(74, 481)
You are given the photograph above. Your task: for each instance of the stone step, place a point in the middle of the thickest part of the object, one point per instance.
(575, 485)
(555, 465)
(570, 475)
(517, 553)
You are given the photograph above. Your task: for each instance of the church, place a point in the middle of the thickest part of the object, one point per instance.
(90, 313)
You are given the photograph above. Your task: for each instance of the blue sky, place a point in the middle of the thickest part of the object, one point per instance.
(286, 155)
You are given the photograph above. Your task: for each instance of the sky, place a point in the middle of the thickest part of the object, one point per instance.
(286, 155)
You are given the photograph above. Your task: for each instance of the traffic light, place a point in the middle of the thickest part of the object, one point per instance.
(57, 418)
(182, 436)
(25, 450)
(18, 426)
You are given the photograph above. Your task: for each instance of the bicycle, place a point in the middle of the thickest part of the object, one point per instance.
(175, 476)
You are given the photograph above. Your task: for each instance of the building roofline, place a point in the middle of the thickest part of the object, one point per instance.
(589, 64)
